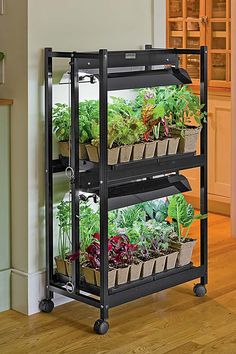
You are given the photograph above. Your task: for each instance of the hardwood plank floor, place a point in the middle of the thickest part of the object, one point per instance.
(172, 321)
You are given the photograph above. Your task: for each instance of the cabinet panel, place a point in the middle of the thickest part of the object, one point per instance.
(219, 151)
(220, 146)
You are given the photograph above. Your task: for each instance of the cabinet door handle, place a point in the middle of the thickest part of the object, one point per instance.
(204, 19)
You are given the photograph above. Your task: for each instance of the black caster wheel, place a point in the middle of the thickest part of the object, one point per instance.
(199, 290)
(101, 327)
(46, 305)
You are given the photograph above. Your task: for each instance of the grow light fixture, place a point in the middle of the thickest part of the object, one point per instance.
(152, 78)
(149, 189)
(135, 77)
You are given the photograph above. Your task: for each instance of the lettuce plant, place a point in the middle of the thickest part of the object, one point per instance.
(182, 215)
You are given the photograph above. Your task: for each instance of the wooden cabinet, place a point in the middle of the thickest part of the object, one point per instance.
(219, 156)
(191, 23)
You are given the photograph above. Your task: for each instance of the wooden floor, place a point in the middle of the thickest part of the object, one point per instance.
(173, 321)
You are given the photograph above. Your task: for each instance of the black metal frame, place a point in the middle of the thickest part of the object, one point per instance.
(89, 177)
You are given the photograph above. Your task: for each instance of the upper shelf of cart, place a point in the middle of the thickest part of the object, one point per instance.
(132, 69)
(127, 58)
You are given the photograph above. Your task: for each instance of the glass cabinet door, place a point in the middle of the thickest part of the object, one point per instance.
(218, 8)
(192, 23)
(175, 8)
(219, 42)
(193, 8)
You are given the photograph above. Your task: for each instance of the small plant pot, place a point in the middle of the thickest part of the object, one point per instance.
(149, 150)
(188, 138)
(173, 146)
(138, 151)
(64, 148)
(148, 267)
(93, 153)
(161, 149)
(83, 155)
(135, 271)
(171, 260)
(160, 263)
(111, 278)
(89, 275)
(125, 153)
(68, 268)
(122, 275)
(65, 151)
(113, 155)
(112, 158)
(185, 251)
(61, 265)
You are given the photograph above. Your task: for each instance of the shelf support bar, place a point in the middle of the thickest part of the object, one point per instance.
(48, 170)
(103, 64)
(75, 166)
(204, 174)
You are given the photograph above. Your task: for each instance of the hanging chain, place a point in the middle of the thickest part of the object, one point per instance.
(70, 174)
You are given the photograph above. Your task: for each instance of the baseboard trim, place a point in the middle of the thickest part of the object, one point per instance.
(27, 289)
(221, 207)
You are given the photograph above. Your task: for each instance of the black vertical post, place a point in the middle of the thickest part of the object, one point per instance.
(103, 60)
(148, 67)
(204, 151)
(48, 170)
(75, 166)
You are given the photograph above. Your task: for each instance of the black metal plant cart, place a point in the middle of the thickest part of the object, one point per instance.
(119, 185)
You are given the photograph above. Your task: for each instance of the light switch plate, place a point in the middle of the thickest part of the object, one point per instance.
(2, 7)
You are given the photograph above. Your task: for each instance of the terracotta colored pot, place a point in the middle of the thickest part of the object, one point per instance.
(150, 148)
(185, 251)
(148, 267)
(89, 275)
(171, 260)
(138, 151)
(125, 153)
(61, 265)
(122, 275)
(135, 271)
(111, 278)
(64, 150)
(161, 147)
(188, 138)
(160, 263)
(173, 145)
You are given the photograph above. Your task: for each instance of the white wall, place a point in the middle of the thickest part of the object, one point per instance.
(159, 23)
(27, 27)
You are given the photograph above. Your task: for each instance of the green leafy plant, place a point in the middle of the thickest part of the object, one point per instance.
(119, 106)
(181, 105)
(131, 132)
(61, 121)
(2, 56)
(156, 209)
(88, 120)
(89, 224)
(63, 216)
(182, 215)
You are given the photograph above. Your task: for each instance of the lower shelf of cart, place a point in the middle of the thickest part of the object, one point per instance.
(131, 290)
